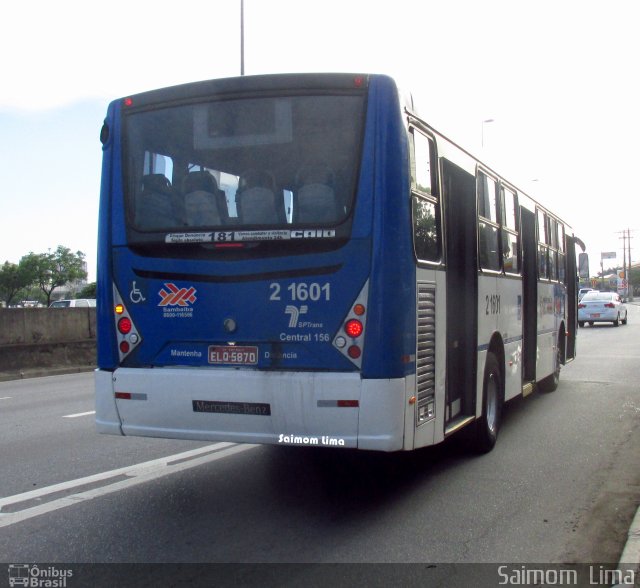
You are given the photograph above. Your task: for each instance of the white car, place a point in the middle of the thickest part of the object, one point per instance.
(583, 291)
(601, 307)
(77, 303)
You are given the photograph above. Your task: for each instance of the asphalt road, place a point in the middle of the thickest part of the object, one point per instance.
(562, 484)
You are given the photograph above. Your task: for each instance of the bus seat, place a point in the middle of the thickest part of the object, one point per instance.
(315, 198)
(155, 205)
(258, 200)
(202, 199)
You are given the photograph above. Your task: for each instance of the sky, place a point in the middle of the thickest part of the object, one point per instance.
(558, 79)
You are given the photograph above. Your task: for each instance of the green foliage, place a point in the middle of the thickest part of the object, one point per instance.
(44, 271)
(89, 291)
(15, 279)
(634, 276)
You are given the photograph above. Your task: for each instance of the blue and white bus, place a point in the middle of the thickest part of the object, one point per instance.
(303, 259)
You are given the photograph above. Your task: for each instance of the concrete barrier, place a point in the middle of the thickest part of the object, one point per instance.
(24, 326)
(34, 340)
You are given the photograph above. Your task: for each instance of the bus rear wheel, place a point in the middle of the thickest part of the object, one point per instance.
(492, 400)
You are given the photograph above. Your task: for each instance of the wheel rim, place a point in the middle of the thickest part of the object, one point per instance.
(492, 403)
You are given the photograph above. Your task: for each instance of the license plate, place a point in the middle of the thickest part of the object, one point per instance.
(595, 315)
(233, 355)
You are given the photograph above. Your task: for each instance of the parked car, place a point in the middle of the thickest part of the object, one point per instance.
(77, 303)
(583, 291)
(601, 307)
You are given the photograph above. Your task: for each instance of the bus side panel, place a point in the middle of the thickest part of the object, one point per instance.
(431, 431)
(107, 356)
(510, 327)
(107, 417)
(391, 322)
(547, 330)
(487, 325)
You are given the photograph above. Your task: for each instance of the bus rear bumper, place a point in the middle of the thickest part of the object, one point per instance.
(251, 406)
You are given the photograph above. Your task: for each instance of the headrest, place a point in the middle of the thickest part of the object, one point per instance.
(315, 174)
(199, 180)
(257, 179)
(156, 183)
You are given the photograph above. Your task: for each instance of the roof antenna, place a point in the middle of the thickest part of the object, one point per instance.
(241, 37)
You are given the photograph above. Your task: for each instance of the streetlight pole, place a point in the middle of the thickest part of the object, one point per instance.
(487, 120)
(241, 37)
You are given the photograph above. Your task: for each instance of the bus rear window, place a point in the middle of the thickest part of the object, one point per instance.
(249, 164)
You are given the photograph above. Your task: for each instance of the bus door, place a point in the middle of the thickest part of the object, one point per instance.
(462, 292)
(571, 277)
(529, 294)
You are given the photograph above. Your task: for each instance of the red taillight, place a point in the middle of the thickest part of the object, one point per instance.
(128, 101)
(124, 347)
(582, 306)
(353, 328)
(124, 325)
(354, 352)
(609, 305)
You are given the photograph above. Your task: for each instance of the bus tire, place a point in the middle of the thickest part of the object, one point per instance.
(550, 383)
(488, 425)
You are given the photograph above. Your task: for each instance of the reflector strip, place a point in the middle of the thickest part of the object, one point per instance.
(130, 396)
(338, 403)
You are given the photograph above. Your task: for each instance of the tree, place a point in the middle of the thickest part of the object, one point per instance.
(634, 278)
(52, 270)
(89, 291)
(13, 279)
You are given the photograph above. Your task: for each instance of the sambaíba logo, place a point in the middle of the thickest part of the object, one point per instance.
(171, 295)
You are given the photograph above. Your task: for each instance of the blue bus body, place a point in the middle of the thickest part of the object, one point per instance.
(242, 290)
(242, 330)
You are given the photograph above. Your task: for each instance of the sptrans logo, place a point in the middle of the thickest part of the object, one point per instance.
(177, 302)
(38, 577)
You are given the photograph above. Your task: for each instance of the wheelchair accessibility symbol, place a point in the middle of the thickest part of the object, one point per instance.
(136, 295)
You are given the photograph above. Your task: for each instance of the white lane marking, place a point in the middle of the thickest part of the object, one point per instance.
(137, 474)
(80, 414)
(6, 398)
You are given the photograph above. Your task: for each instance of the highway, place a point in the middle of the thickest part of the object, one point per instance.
(562, 484)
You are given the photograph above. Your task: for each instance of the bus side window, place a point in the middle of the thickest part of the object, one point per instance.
(425, 207)
(509, 230)
(488, 223)
(562, 274)
(543, 249)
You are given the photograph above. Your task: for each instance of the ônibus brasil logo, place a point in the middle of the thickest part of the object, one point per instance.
(33, 575)
(177, 302)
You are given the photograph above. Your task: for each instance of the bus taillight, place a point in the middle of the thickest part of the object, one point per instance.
(125, 325)
(349, 339)
(354, 352)
(127, 335)
(353, 328)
